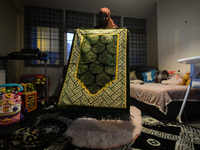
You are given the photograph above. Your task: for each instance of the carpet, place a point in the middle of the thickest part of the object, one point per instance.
(104, 134)
(155, 135)
(161, 135)
(46, 133)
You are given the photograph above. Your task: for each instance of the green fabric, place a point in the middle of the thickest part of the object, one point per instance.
(98, 48)
(106, 39)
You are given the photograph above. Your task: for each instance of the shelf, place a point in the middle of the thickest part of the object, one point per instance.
(28, 54)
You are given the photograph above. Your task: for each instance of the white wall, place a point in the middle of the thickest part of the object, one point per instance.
(8, 25)
(152, 45)
(178, 32)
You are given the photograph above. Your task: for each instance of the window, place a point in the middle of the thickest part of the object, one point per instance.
(69, 43)
(47, 40)
(43, 29)
(74, 20)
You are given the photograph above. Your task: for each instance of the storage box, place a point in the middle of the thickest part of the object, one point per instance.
(40, 85)
(30, 100)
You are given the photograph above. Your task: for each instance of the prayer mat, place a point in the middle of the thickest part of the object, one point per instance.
(96, 81)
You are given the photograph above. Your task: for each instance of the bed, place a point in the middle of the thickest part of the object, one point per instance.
(160, 96)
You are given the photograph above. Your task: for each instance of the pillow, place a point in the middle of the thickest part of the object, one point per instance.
(137, 81)
(149, 76)
(161, 75)
(132, 75)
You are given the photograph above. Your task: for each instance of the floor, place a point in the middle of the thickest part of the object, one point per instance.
(197, 124)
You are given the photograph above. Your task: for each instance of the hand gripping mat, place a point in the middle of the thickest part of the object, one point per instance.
(96, 82)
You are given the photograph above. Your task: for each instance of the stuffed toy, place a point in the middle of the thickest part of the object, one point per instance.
(175, 80)
(186, 76)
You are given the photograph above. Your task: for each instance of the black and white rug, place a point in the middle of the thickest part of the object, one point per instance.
(167, 135)
(155, 135)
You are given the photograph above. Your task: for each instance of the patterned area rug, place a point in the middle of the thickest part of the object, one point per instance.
(167, 135)
(155, 135)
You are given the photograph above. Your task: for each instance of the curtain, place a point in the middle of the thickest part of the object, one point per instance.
(76, 19)
(43, 29)
(54, 19)
(137, 40)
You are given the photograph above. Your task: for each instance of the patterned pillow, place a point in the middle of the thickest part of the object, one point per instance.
(149, 76)
(161, 75)
(133, 75)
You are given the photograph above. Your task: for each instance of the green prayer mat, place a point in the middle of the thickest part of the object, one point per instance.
(96, 82)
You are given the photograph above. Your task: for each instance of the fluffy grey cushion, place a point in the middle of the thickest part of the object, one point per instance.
(103, 134)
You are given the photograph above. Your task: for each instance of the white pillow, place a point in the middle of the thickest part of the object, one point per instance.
(137, 81)
(132, 75)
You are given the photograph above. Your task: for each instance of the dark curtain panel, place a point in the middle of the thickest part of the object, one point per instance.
(75, 20)
(137, 40)
(43, 29)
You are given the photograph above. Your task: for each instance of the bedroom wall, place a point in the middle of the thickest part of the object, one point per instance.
(117, 7)
(10, 35)
(11, 28)
(152, 43)
(178, 32)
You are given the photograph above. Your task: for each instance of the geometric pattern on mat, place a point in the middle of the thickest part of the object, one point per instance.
(114, 94)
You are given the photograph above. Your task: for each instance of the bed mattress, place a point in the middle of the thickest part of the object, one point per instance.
(160, 95)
